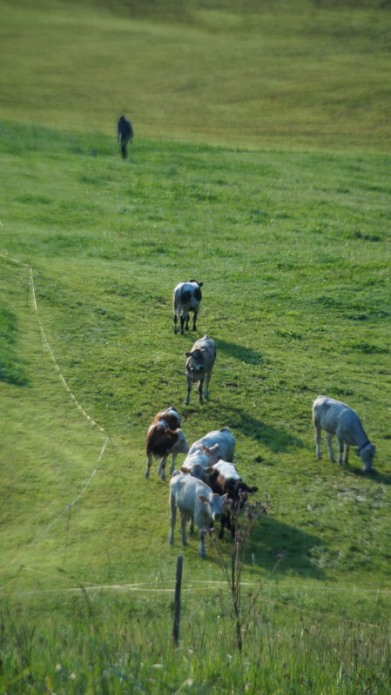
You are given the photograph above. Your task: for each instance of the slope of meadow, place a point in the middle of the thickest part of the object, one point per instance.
(293, 248)
(275, 74)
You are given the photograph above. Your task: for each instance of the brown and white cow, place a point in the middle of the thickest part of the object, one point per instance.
(199, 365)
(165, 437)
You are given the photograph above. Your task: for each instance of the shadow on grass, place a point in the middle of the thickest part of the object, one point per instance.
(274, 543)
(240, 352)
(276, 547)
(274, 438)
(380, 478)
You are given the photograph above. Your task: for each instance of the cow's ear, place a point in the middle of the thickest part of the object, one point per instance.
(202, 498)
(187, 354)
(184, 469)
(200, 284)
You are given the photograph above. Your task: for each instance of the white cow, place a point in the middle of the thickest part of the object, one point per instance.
(196, 503)
(224, 439)
(187, 297)
(339, 419)
(199, 365)
(196, 463)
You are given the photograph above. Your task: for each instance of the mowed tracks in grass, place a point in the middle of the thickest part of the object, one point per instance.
(296, 296)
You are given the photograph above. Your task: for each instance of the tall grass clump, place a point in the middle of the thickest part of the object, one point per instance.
(108, 644)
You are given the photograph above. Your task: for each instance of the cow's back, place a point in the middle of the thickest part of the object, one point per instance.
(208, 348)
(223, 438)
(187, 294)
(330, 414)
(184, 489)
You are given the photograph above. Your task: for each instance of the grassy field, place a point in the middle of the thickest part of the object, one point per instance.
(293, 248)
(271, 74)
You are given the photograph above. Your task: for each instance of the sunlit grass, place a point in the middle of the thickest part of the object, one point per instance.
(308, 75)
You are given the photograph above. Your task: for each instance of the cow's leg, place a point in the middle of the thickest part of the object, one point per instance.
(184, 322)
(175, 323)
(345, 453)
(202, 543)
(183, 529)
(200, 387)
(162, 467)
(318, 438)
(195, 314)
(189, 387)
(341, 446)
(192, 526)
(149, 464)
(207, 380)
(172, 519)
(329, 440)
(173, 457)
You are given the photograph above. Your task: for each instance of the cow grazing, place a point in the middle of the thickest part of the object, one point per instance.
(125, 135)
(224, 439)
(339, 419)
(199, 365)
(196, 503)
(165, 437)
(187, 298)
(223, 478)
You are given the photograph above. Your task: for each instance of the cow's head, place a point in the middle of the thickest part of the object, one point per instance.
(195, 361)
(366, 454)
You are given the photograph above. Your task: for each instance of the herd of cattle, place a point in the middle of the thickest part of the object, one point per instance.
(207, 486)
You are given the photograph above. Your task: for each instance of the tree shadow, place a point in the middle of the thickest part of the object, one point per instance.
(274, 438)
(239, 352)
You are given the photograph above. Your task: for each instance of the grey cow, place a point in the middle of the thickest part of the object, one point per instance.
(199, 365)
(339, 419)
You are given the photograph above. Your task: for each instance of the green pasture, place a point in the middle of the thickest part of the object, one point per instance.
(285, 218)
(255, 73)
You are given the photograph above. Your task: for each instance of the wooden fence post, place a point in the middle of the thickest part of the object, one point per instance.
(177, 600)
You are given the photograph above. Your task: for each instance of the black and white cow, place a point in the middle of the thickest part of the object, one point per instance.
(187, 298)
(125, 135)
(223, 478)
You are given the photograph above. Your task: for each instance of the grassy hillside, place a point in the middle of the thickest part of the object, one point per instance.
(293, 250)
(288, 228)
(275, 74)
(293, 253)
